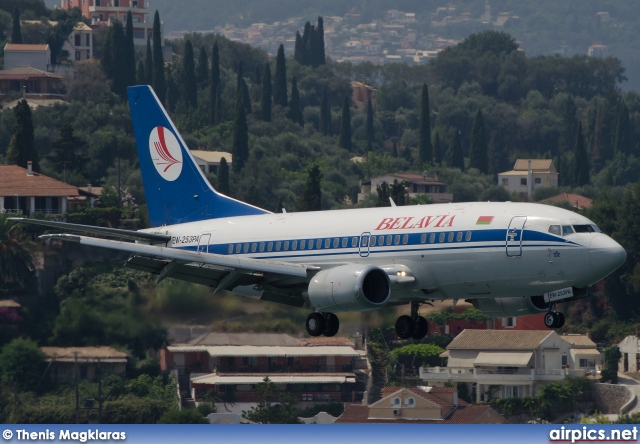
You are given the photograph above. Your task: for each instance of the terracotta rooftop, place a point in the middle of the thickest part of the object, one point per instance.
(67, 354)
(15, 181)
(267, 340)
(498, 339)
(25, 72)
(579, 341)
(8, 303)
(575, 200)
(536, 164)
(467, 414)
(24, 47)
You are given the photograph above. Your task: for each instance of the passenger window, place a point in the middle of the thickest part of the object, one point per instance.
(294, 245)
(389, 239)
(254, 247)
(467, 236)
(354, 241)
(459, 236)
(270, 246)
(318, 244)
(405, 239)
(261, 247)
(555, 229)
(432, 238)
(246, 248)
(423, 238)
(336, 243)
(345, 241)
(396, 239)
(373, 241)
(230, 248)
(567, 230)
(303, 244)
(450, 237)
(441, 237)
(327, 243)
(278, 244)
(364, 241)
(238, 247)
(286, 245)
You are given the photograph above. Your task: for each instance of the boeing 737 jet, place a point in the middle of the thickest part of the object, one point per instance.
(507, 259)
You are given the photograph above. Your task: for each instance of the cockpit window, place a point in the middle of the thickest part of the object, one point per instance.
(587, 228)
(566, 230)
(596, 229)
(555, 229)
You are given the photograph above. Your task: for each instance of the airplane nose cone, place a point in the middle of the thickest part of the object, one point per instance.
(606, 255)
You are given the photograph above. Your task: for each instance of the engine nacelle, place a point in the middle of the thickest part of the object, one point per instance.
(508, 307)
(353, 287)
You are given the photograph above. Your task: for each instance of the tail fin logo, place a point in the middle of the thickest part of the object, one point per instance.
(165, 153)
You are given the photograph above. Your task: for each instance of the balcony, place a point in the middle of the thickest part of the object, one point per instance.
(493, 375)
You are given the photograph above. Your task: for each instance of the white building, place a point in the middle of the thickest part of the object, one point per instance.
(529, 174)
(209, 161)
(35, 56)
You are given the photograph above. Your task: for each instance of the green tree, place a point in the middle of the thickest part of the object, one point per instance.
(569, 124)
(22, 363)
(345, 127)
(68, 152)
(623, 138)
(320, 53)
(265, 102)
(437, 149)
(295, 111)
(455, 158)
(425, 148)
(190, 85)
(417, 355)
(311, 198)
(214, 82)
(129, 53)
(325, 113)
(159, 81)
(16, 30)
(119, 69)
(140, 74)
(240, 138)
(398, 192)
(16, 258)
(369, 125)
(202, 75)
(223, 177)
(184, 416)
(612, 357)
(581, 165)
(148, 64)
(106, 58)
(280, 80)
(273, 407)
(297, 52)
(21, 147)
(478, 154)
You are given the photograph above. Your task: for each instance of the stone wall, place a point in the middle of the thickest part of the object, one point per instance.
(610, 398)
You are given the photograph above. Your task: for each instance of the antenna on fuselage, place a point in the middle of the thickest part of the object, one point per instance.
(393, 204)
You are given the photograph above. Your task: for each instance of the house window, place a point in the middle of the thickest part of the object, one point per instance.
(78, 39)
(395, 401)
(509, 322)
(564, 361)
(87, 39)
(77, 55)
(523, 181)
(410, 402)
(505, 181)
(537, 180)
(588, 363)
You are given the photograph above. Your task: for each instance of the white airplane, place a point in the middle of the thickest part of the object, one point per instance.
(507, 259)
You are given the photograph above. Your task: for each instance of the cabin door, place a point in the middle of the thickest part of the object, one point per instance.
(514, 236)
(203, 243)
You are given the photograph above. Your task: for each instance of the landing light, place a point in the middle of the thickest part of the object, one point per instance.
(402, 273)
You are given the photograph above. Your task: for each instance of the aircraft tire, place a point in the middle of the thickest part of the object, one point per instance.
(551, 320)
(404, 327)
(315, 324)
(561, 320)
(420, 328)
(331, 324)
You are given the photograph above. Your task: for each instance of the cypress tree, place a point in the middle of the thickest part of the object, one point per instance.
(321, 57)
(258, 75)
(218, 116)
(478, 154)
(246, 97)
(369, 125)
(159, 81)
(173, 92)
(202, 75)
(240, 138)
(148, 64)
(129, 53)
(119, 69)
(311, 49)
(569, 125)
(304, 45)
(325, 113)
(68, 151)
(394, 151)
(437, 149)
(297, 52)
(295, 111)
(223, 177)
(16, 30)
(345, 127)
(425, 154)
(623, 143)
(581, 165)
(140, 74)
(190, 84)
(265, 103)
(280, 79)
(311, 198)
(214, 82)
(21, 147)
(106, 53)
(455, 157)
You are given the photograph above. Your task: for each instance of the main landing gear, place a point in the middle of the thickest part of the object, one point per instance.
(413, 326)
(322, 324)
(553, 318)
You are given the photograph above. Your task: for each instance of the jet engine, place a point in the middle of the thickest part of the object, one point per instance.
(353, 287)
(508, 307)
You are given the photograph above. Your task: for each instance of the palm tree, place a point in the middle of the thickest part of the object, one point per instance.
(16, 257)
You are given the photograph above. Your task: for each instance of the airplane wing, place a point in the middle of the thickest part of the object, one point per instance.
(116, 232)
(277, 281)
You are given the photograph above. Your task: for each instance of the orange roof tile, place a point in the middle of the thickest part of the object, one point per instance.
(575, 200)
(14, 181)
(24, 47)
(467, 414)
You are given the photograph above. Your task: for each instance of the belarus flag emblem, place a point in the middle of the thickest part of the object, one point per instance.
(484, 220)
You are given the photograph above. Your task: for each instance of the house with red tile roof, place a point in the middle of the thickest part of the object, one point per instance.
(416, 184)
(24, 190)
(31, 81)
(88, 362)
(419, 405)
(36, 56)
(576, 201)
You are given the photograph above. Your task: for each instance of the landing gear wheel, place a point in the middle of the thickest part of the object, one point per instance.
(404, 327)
(551, 319)
(331, 324)
(315, 324)
(420, 328)
(560, 323)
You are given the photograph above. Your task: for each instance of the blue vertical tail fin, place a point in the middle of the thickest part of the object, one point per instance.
(176, 189)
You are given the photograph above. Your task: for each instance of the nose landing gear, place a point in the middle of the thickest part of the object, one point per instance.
(319, 323)
(553, 318)
(413, 326)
